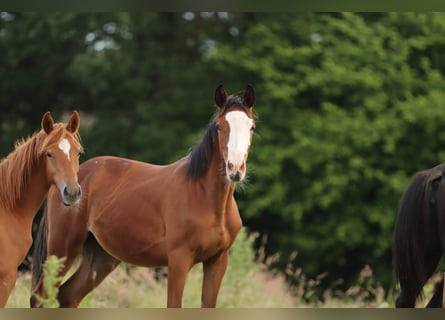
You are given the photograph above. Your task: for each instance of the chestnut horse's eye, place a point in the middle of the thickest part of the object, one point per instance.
(49, 154)
(253, 128)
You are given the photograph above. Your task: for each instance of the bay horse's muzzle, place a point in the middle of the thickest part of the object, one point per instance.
(235, 177)
(237, 172)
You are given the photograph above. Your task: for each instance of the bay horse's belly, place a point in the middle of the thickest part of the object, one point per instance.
(132, 248)
(131, 231)
(124, 209)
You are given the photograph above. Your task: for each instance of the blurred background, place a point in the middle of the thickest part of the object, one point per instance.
(350, 106)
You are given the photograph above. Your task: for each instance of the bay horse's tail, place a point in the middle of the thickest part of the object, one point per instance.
(39, 254)
(416, 246)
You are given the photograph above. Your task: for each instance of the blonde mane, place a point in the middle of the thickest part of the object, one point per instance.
(17, 167)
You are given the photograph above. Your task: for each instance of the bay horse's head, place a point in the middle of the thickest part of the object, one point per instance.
(60, 151)
(235, 124)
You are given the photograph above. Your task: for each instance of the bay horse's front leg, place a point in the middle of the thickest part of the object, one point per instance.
(179, 263)
(214, 270)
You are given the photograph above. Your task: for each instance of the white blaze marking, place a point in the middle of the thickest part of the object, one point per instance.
(239, 138)
(65, 146)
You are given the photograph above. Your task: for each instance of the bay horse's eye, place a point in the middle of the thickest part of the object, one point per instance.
(49, 154)
(217, 127)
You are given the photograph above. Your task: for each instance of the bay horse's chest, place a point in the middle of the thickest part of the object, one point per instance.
(211, 239)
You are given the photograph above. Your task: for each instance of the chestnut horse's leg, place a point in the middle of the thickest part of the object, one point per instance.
(95, 265)
(214, 270)
(7, 283)
(179, 264)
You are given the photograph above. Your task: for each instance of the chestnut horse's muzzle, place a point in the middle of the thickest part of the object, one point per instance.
(71, 195)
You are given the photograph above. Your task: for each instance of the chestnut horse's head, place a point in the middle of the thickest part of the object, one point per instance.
(235, 125)
(60, 150)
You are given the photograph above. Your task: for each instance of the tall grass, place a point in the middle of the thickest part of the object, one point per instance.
(51, 269)
(248, 282)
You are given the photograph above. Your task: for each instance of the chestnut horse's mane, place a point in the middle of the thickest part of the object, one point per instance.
(16, 168)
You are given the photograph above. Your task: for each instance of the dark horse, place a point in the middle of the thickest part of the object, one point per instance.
(150, 215)
(419, 236)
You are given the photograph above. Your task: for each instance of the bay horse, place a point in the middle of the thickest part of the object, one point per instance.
(419, 236)
(174, 215)
(49, 157)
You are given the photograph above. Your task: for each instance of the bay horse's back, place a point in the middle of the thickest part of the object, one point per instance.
(416, 248)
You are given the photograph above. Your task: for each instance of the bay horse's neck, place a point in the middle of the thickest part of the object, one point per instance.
(220, 189)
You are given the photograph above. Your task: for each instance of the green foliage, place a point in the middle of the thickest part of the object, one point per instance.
(51, 269)
(240, 273)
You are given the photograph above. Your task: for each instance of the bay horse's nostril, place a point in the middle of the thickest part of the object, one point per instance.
(235, 176)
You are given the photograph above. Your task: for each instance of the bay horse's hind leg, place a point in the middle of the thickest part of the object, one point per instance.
(65, 244)
(95, 265)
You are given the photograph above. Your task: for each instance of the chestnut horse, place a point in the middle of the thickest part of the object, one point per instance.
(49, 157)
(149, 215)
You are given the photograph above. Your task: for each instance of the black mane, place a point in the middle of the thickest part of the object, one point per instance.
(199, 158)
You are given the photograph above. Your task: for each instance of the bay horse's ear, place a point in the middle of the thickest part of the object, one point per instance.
(73, 123)
(220, 96)
(249, 96)
(47, 122)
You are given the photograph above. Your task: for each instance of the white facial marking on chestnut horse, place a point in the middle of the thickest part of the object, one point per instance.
(239, 138)
(65, 146)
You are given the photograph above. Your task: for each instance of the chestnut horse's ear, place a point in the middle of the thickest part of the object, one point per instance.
(73, 123)
(47, 122)
(220, 96)
(249, 96)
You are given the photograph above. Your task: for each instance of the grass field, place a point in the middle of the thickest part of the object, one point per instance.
(248, 283)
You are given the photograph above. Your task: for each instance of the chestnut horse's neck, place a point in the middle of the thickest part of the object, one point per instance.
(34, 191)
(23, 179)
